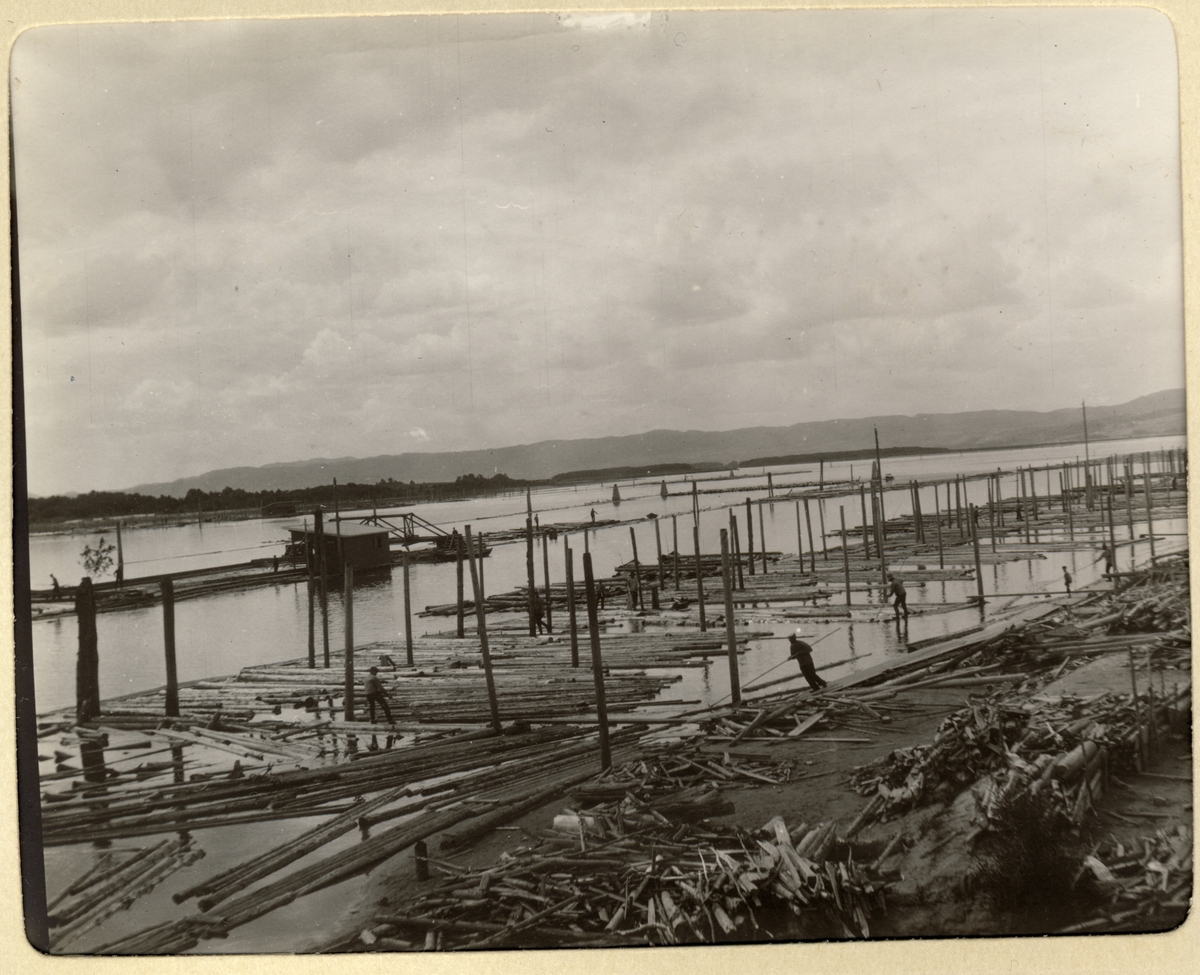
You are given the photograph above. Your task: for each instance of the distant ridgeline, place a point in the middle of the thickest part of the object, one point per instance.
(836, 455)
(120, 504)
(629, 473)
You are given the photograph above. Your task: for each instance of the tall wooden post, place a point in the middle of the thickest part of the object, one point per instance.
(845, 552)
(862, 500)
(408, 631)
(941, 551)
(312, 595)
(812, 549)
(918, 515)
(637, 569)
(337, 522)
(879, 471)
(348, 600)
(730, 630)
(87, 667)
(975, 545)
(1149, 514)
(1129, 517)
(458, 578)
(597, 662)
(168, 601)
(1112, 532)
(546, 580)
(749, 536)
(120, 559)
(481, 623)
(999, 503)
(569, 558)
(824, 537)
(991, 515)
(675, 548)
(762, 538)
(530, 581)
(1033, 494)
(699, 578)
(479, 550)
(319, 526)
(799, 540)
(736, 550)
(658, 569)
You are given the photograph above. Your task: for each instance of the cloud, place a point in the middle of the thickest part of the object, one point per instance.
(286, 234)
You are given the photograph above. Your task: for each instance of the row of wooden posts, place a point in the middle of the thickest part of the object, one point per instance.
(87, 682)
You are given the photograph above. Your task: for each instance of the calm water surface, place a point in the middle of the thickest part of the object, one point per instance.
(221, 634)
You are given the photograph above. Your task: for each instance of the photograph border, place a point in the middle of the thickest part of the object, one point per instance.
(1167, 953)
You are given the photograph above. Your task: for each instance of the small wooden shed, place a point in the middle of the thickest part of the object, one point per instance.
(363, 546)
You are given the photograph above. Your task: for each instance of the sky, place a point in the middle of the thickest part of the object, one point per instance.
(246, 242)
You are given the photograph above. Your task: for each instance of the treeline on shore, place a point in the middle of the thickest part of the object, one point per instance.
(121, 504)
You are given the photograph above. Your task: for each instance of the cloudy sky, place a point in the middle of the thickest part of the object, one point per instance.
(257, 241)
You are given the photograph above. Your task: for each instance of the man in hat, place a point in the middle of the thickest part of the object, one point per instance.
(896, 588)
(802, 653)
(1067, 579)
(376, 695)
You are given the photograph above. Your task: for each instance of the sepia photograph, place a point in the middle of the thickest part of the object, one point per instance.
(590, 480)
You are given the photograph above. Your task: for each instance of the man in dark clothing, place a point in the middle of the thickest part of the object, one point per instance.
(1110, 558)
(1067, 579)
(376, 695)
(802, 653)
(896, 588)
(539, 612)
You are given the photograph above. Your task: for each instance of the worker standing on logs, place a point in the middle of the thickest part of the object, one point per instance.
(1110, 559)
(896, 588)
(373, 687)
(1067, 579)
(538, 611)
(801, 652)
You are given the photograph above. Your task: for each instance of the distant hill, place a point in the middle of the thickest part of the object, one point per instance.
(1159, 414)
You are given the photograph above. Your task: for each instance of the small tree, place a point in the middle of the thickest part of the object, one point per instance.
(97, 561)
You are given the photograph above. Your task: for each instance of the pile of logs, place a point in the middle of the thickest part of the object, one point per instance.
(1146, 886)
(112, 884)
(1063, 747)
(637, 870)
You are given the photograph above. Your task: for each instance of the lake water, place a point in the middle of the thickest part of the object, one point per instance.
(221, 634)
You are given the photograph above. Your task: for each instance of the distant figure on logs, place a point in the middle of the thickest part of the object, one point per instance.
(1110, 558)
(538, 611)
(896, 588)
(593, 516)
(55, 591)
(376, 695)
(1067, 579)
(802, 653)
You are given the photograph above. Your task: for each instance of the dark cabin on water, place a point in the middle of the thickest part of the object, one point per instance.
(363, 546)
